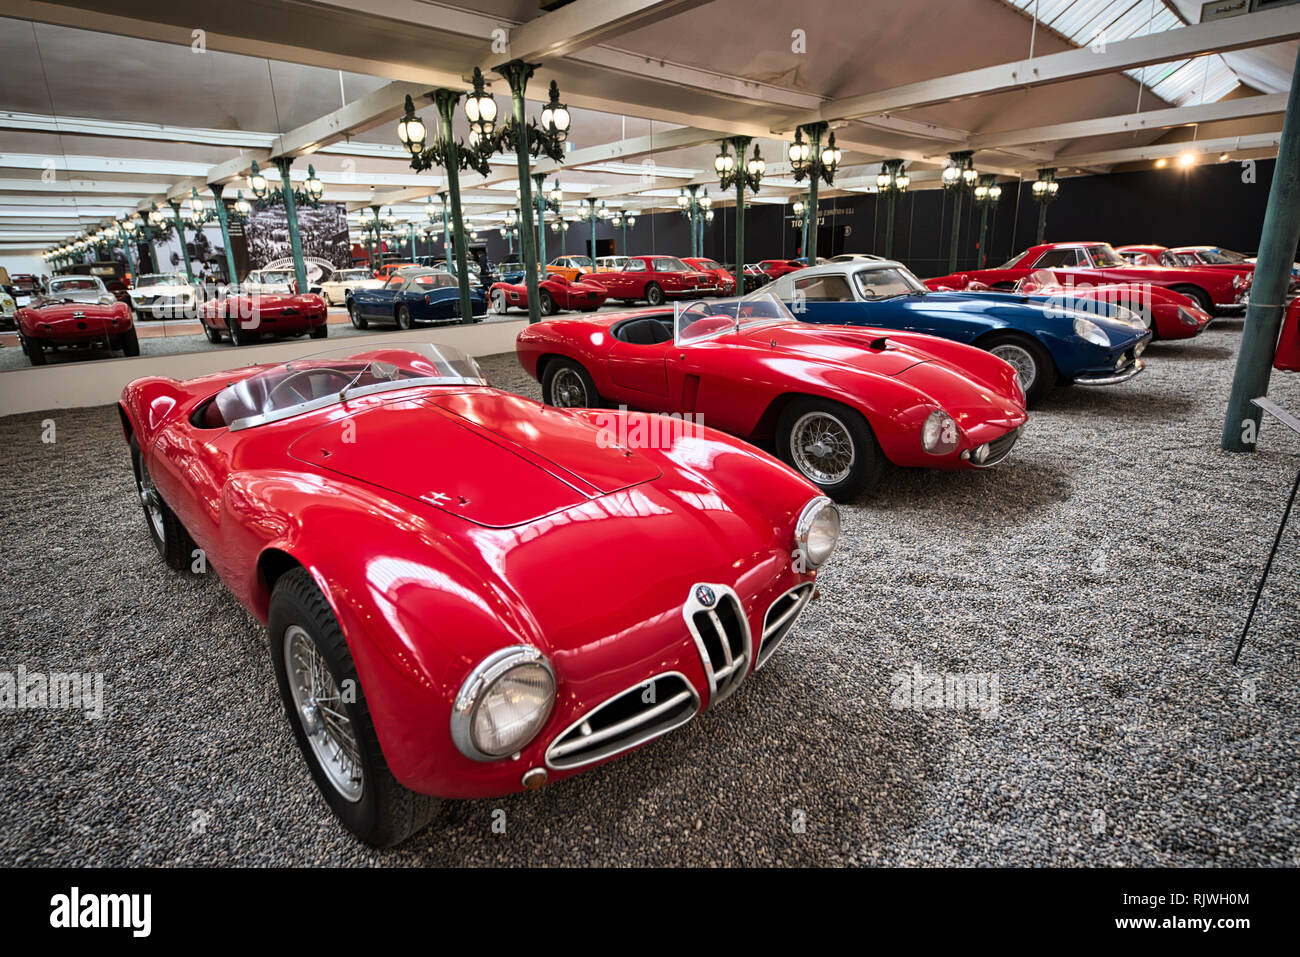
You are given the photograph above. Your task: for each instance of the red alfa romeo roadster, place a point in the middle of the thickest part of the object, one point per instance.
(402, 528)
(61, 323)
(841, 402)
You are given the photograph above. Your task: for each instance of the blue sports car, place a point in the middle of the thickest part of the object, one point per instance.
(415, 295)
(1049, 339)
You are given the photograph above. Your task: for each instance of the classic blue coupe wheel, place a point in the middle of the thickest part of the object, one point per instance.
(1031, 361)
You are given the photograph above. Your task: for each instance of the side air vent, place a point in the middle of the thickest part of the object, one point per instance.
(780, 619)
(633, 717)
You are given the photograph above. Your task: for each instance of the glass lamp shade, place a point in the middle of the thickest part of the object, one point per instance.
(903, 181)
(756, 166)
(995, 193)
(412, 133)
(882, 180)
(970, 176)
(315, 188)
(708, 215)
(1039, 187)
(257, 183)
(950, 175)
(557, 194)
(798, 207)
(631, 221)
(1053, 188)
(243, 206)
(981, 192)
(682, 201)
(616, 220)
(555, 227)
(706, 200)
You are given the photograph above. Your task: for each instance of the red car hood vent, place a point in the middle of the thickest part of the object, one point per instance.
(851, 345)
(493, 459)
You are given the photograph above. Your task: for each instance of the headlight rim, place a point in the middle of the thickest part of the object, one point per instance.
(1081, 326)
(473, 691)
(803, 526)
(941, 448)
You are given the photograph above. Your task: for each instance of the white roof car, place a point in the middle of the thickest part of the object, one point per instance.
(80, 289)
(150, 288)
(342, 282)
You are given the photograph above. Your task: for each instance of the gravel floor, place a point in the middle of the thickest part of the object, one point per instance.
(1100, 576)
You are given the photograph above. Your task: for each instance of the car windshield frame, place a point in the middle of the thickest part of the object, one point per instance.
(360, 274)
(762, 307)
(159, 279)
(91, 284)
(351, 364)
(1108, 258)
(913, 285)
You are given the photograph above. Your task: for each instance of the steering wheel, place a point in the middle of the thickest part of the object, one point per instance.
(289, 383)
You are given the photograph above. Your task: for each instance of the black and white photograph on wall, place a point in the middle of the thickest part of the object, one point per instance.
(323, 230)
(205, 248)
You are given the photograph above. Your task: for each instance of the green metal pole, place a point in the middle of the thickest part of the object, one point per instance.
(740, 144)
(1277, 250)
(889, 224)
(815, 135)
(984, 231)
(180, 232)
(803, 239)
(446, 101)
(291, 214)
(517, 73)
(216, 188)
(538, 178)
(956, 228)
(1042, 221)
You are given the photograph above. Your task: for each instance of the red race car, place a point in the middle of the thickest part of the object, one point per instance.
(776, 268)
(1203, 257)
(1098, 263)
(724, 283)
(64, 323)
(398, 525)
(1169, 314)
(841, 402)
(554, 293)
(654, 279)
(247, 317)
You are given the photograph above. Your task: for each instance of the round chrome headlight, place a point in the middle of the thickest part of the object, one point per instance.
(503, 703)
(817, 531)
(1089, 331)
(939, 433)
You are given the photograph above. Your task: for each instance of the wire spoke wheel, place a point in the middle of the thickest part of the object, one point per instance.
(150, 499)
(1020, 360)
(320, 709)
(822, 447)
(568, 390)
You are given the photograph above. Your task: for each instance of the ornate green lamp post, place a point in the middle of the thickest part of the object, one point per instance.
(959, 177)
(694, 205)
(623, 221)
(743, 174)
(286, 195)
(818, 164)
(986, 194)
(594, 212)
(156, 226)
(1044, 191)
(891, 181)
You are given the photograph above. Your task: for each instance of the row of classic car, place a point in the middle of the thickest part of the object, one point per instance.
(472, 675)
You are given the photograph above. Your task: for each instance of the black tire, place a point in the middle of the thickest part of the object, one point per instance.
(654, 295)
(169, 536)
(35, 350)
(1014, 348)
(358, 320)
(867, 462)
(576, 388)
(1201, 297)
(499, 305)
(403, 316)
(320, 332)
(239, 335)
(385, 813)
(545, 303)
(130, 343)
(212, 332)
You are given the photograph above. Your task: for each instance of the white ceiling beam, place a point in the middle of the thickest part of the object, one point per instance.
(121, 130)
(583, 23)
(65, 185)
(385, 104)
(1239, 108)
(1234, 33)
(1211, 147)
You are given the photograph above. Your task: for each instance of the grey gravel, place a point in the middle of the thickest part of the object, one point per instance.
(1102, 574)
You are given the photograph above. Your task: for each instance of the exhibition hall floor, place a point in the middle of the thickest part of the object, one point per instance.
(1100, 576)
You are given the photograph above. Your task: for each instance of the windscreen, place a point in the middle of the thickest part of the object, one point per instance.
(706, 319)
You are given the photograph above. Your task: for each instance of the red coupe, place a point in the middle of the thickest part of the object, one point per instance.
(841, 402)
(655, 279)
(247, 317)
(63, 323)
(554, 293)
(724, 283)
(776, 268)
(1098, 263)
(406, 532)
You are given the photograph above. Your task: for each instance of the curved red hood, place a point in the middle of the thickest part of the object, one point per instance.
(850, 345)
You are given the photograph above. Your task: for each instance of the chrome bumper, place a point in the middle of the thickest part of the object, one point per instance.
(1123, 375)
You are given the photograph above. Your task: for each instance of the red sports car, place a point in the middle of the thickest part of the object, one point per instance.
(724, 283)
(247, 317)
(840, 401)
(61, 323)
(654, 279)
(554, 293)
(1203, 257)
(1169, 314)
(403, 529)
(776, 268)
(1098, 263)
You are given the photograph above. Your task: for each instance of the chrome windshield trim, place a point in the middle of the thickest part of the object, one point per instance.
(334, 398)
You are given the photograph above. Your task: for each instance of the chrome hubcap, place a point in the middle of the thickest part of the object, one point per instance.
(150, 499)
(567, 390)
(822, 448)
(321, 710)
(1020, 360)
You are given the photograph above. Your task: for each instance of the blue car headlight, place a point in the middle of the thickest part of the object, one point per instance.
(1089, 331)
